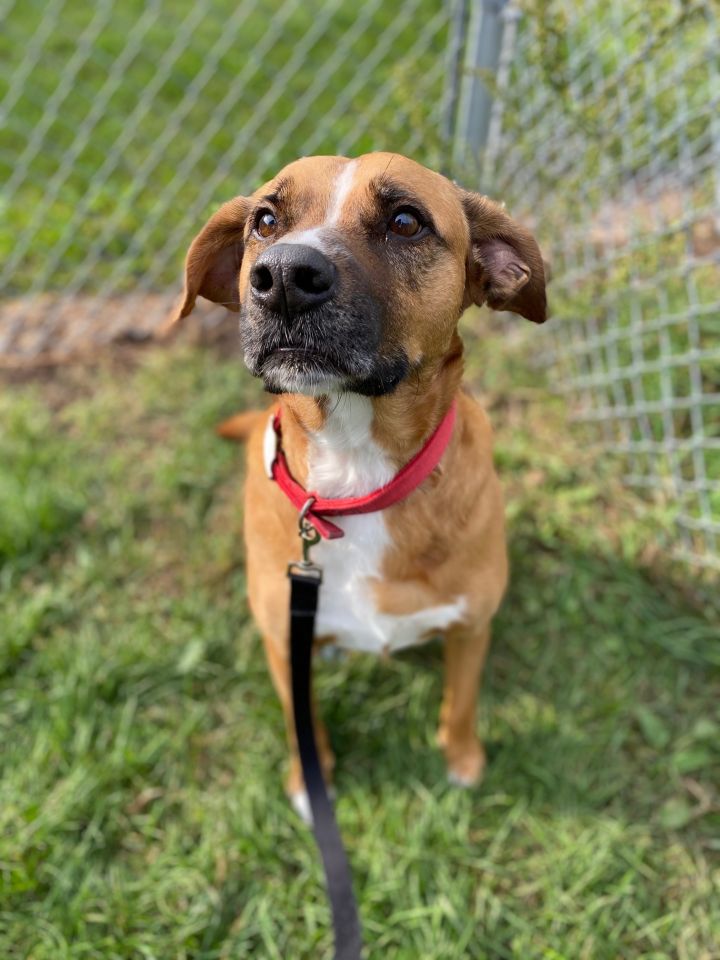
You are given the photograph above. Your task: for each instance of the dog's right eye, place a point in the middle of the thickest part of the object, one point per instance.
(405, 223)
(266, 224)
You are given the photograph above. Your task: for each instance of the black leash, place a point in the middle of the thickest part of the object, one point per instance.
(305, 579)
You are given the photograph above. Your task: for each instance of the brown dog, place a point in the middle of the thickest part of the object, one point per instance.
(350, 277)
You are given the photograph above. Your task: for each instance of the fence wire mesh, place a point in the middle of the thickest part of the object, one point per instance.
(606, 136)
(122, 125)
(125, 123)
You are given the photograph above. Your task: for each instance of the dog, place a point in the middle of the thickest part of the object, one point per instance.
(350, 277)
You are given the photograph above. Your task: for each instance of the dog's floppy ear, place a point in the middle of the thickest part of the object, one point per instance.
(505, 266)
(213, 261)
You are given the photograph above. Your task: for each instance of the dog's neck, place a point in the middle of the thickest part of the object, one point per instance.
(346, 445)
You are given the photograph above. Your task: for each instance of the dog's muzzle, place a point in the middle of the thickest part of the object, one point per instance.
(311, 325)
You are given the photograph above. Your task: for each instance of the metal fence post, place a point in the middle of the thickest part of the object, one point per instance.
(482, 57)
(456, 50)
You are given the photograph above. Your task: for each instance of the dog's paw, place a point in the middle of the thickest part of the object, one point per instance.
(301, 804)
(467, 769)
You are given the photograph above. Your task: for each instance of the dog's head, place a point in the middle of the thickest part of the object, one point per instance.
(348, 274)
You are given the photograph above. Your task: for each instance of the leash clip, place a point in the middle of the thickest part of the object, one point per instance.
(309, 536)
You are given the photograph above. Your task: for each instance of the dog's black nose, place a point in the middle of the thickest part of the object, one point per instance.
(290, 278)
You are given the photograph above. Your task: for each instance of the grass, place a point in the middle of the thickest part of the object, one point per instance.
(142, 812)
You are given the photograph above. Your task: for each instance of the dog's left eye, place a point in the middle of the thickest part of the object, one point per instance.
(266, 224)
(405, 223)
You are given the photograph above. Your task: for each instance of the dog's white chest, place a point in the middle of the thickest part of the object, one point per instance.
(347, 607)
(345, 461)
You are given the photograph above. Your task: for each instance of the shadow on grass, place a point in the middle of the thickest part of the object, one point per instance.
(598, 695)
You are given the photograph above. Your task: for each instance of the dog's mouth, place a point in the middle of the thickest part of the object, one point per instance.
(299, 355)
(330, 350)
(301, 370)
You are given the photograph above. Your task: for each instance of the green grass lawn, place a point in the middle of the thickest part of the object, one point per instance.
(142, 807)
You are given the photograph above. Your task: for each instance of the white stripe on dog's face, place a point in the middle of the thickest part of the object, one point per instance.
(342, 188)
(308, 238)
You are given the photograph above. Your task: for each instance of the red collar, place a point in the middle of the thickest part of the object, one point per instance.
(403, 483)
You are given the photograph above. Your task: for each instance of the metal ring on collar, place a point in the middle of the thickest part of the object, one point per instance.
(304, 525)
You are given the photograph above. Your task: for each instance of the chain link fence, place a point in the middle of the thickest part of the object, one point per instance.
(605, 135)
(122, 125)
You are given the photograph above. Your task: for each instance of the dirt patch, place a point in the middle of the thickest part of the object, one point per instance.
(56, 340)
(48, 330)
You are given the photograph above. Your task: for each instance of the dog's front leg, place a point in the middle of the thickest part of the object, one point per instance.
(279, 666)
(465, 652)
